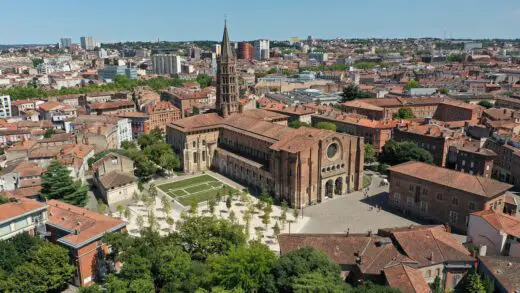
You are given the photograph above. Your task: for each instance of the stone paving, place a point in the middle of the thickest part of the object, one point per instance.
(238, 208)
(354, 212)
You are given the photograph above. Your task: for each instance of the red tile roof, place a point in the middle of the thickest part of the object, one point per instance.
(13, 210)
(83, 226)
(406, 279)
(481, 186)
(500, 221)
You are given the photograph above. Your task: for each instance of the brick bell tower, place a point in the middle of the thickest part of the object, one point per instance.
(227, 82)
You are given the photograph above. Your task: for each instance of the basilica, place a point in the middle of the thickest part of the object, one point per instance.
(256, 147)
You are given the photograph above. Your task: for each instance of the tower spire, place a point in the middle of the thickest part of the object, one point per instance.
(226, 45)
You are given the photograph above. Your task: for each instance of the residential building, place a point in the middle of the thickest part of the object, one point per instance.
(65, 42)
(261, 49)
(81, 231)
(375, 132)
(103, 131)
(296, 113)
(245, 51)
(88, 43)
(216, 49)
(471, 157)
(185, 99)
(22, 215)
(20, 106)
(426, 252)
(114, 178)
(110, 72)
(442, 195)
(137, 122)
(256, 147)
(166, 64)
(503, 272)
(441, 109)
(20, 174)
(160, 115)
(58, 113)
(498, 232)
(110, 108)
(5, 107)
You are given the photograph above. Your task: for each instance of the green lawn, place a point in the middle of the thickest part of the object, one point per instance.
(200, 188)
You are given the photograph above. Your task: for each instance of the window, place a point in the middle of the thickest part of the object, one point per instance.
(396, 198)
(195, 158)
(411, 187)
(194, 144)
(453, 217)
(425, 191)
(424, 206)
(439, 196)
(471, 164)
(471, 206)
(455, 200)
(463, 162)
(409, 201)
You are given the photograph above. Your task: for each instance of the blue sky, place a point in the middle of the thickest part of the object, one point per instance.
(39, 21)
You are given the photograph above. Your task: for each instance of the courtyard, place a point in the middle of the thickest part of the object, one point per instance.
(199, 188)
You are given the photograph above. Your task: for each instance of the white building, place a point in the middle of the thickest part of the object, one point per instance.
(5, 106)
(88, 43)
(166, 64)
(65, 42)
(499, 233)
(261, 49)
(124, 131)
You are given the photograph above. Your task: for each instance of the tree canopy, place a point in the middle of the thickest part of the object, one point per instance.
(352, 92)
(412, 84)
(204, 80)
(326, 125)
(486, 104)
(33, 265)
(399, 152)
(404, 113)
(58, 184)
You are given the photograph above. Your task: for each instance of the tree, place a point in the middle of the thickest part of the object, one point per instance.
(120, 209)
(204, 80)
(142, 285)
(436, 286)
(128, 213)
(265, 197)
(412, 84)
(170, 221)
(169, 161)
(152, 190)
(140, 222)
(444, 91)
(218, 196)
(128, 145)
(399, 152)
(205, 236)
(166, 205)
(49, 133)
(295, 214)
(194, 205)
(404, 113)
(455, 58)
(212, 204)
(299, 263)
(58, 184)
(172, 267)
(153, 223)
(55, 261)
(91, 289)
(486, 104)
(135, 196)
(474, 284)
(266, 219)
(370, 153)
(352, 92)
(245, 267)
(102, 208)
(298, 124)
(276, 230)
(232, 217)
(228, 203)
(326, 125)
(318, 282)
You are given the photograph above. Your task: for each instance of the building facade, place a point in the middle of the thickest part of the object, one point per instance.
(261, 49)
(245, 51)
(166, 64)
(5, 107)
(88, 43)
(443, 195)
(256, 147)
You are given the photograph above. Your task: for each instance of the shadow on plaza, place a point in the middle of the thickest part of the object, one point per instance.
(380, 200)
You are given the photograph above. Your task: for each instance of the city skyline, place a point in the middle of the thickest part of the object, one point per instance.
(271, 20)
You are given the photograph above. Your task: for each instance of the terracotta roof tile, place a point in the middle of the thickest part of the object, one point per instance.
(406, 279)
(474, 184)
(500, 221)
(83, 226)
(16, 209)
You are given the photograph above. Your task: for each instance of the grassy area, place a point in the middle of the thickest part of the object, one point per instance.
(187, 182)
(200, 188)
(367, 180)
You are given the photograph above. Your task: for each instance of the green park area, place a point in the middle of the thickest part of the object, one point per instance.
(200, 188)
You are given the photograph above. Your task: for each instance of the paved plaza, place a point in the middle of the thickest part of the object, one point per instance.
(354, 213)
